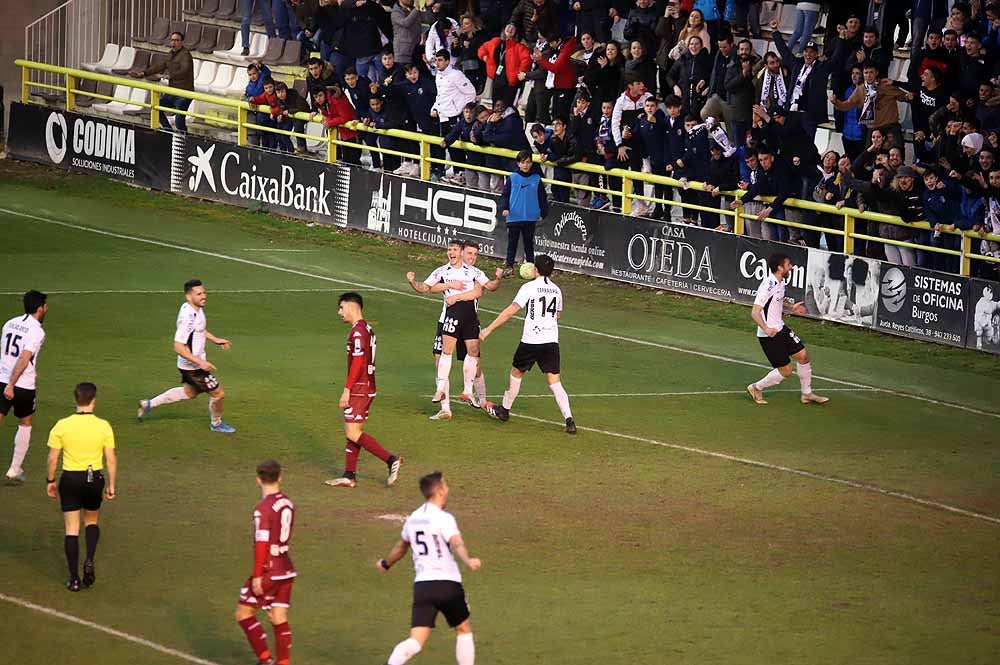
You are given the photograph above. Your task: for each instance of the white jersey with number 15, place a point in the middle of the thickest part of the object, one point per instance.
(428, 530)
(542, 301)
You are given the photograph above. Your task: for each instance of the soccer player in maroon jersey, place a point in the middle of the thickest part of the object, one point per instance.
(359, 393)
(270, 585)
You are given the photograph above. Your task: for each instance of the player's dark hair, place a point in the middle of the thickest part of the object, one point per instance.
(33, 300)
(84, 393)
(544, 265)
(471, 243)
(776, 260)
(524, 155)
(443, 53)
(351, 296)
(269, 471)
(190, 284)
(430, 483)
(456, 243)
(314, 61)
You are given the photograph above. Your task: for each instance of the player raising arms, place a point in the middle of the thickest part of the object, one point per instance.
(780, 343)
(461, 285)
(359, 393)
(196, 371)
(270, 585)
(434, 537)
(20, 342)
(539, 340)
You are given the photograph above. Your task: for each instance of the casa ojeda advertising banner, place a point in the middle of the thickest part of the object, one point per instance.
(919, 303)
(276, 182)
(751, 263)
(984, 316)
(118, 150)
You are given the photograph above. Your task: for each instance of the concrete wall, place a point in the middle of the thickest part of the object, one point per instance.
(16, 14)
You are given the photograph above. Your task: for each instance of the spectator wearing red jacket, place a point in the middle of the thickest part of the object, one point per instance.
(506, 58)
(336, 110)
(264, 101)
(559, 85)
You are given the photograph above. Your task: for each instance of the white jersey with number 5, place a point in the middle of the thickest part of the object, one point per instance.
(542, 301)
(428, 530)
(22, 333)
(771, 298)
(191, 328)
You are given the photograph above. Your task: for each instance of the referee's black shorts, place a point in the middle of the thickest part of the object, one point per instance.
(76, 492)
(442, 596)
(780, 348)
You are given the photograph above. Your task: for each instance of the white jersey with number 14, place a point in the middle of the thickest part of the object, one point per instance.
(542, 301)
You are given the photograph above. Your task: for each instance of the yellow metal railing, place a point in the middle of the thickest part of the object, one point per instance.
(632, 188)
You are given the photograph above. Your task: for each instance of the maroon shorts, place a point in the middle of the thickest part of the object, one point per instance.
(357, 408)
(277, 593)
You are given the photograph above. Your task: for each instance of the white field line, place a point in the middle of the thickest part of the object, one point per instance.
(105, 629)
(696, 393)
(799, 472)
(410, 294)
(266, 249)
(174, 291)
(905, 496)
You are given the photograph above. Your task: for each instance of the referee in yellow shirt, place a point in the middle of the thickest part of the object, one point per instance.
(85, 442)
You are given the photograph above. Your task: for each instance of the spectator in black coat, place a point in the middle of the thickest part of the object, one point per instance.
(690, 74)
(641, 66)
(592, 16)
(604, 74)
(641, 25)
(562, 151)
(773, 179)
(360, 39)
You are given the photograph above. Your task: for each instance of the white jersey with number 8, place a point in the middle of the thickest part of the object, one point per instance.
(542, 301)
(428, 530)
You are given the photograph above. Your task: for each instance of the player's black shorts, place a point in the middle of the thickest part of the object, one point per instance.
(546, 355)
(780, 348)
(442, 596)
(460, 349)
(461, 321)
(200, 380)
(77, 493)
(23, 402)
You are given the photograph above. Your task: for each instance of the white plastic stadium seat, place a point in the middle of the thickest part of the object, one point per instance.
(822, 139)
(837, 143)
(107, 59)
(233, 51)
(138, 97)
(223, 77)
(258, 47)
(238, 86)
(121, 92)
(206, 75)
(315, 129)
(126, 56)
(787, 22)
(197, 66)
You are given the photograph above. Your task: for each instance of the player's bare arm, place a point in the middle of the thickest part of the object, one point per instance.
(494, 284)
(502, 318)
(111, 467)
(183, 351)
(458, 547)
(15, 374)
(221, 341)
(475, 294)
(757, 314)
(397, 553)
(795, 307)
(51, 465)
(419, 287)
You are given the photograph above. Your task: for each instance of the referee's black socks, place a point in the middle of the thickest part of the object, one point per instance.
(72, 546)
(93, 533)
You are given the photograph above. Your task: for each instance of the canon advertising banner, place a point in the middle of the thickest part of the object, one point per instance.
(984, 316)
(751, 262)
(923, 304)
(135, 154)
(248, 177)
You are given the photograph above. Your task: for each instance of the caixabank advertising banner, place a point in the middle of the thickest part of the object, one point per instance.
(119, 150)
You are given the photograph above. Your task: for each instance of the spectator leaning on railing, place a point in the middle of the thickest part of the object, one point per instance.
(179, 67)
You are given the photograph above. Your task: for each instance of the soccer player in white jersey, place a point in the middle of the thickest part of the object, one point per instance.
(461, 286)
(20, 342)
(433, 536)
(196, 371)
(780, 343)
(539, 340)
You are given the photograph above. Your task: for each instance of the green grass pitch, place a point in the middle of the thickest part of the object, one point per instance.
(629, 543)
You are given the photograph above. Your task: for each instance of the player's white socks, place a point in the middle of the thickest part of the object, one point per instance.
(215, 409)
(805, 372)
(513, 388)
(480, 386)
(469, 368)
(404, 651)
(562, 399)
(444, 369)
(22, 439)
(169, 397)
(772, 378)
(465, 649)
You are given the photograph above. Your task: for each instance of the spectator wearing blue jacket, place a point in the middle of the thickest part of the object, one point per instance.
(943, 206)
(418, 94)
(462, 130)
(504, 129)
(381, 116)
(524, 205)
(649, 137)
(257, 72)
(693, 165)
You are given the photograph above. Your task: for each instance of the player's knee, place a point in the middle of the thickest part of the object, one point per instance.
(243, 612)
(786, 371)
(218, 393)
(464, 628)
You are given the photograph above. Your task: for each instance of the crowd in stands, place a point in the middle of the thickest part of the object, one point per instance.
(677, 88)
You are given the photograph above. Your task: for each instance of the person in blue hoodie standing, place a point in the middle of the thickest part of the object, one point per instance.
(419, 93)
(504, 129)
(692, 164)
(946, 210)
(524, 205)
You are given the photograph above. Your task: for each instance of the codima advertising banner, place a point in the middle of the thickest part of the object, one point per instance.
(118, 150)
